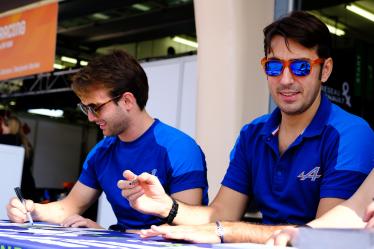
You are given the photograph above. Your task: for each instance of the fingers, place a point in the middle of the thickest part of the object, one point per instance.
(194, 234)
(127, 174)
(130, 192)
(132, 188)
(69, 221)
(147, 178)
(370, 223)
(30, 205)
(16, 210)
(369, 216)
(271, 239)
(145, 233)
(130, 182)
(133, 180)
(79, 221)
(175, 232)
(155, 231)
(124, 184)
(282, 237)
(135, 195)
(168, 232)
(369, 213)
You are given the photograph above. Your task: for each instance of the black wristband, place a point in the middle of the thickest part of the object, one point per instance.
(173, 212)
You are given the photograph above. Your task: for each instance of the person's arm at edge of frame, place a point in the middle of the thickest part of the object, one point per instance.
(76, 202)
(353, 211)
(331, 219)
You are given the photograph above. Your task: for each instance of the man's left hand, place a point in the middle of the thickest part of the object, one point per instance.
(195, 234)
(79, 221)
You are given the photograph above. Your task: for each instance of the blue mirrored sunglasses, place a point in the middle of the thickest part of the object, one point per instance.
(298, 67)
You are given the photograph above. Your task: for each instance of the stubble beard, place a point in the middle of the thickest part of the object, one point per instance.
(297, 110)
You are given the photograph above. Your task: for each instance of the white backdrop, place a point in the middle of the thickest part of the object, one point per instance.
(11, 165)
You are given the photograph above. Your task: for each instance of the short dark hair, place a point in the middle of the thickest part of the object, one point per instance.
(118, 72)
(303, 28)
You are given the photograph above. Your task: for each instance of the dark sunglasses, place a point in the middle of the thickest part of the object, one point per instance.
(95, 109)
(298, 67)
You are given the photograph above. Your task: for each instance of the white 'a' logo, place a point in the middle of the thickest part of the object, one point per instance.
(313, 175)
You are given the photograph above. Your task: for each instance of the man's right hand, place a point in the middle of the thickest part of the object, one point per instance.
(145, 194)
(16, 211)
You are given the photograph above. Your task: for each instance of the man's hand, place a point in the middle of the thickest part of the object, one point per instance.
(282, 237)
(16, 211)
(145, 194)
(195, 234)
(369, 216)
(79, 221)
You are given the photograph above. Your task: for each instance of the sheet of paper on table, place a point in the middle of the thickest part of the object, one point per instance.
(335, 238)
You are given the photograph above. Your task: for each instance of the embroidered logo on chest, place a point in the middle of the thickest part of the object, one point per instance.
(312, 175)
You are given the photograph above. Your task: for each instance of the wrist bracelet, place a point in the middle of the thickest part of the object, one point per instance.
(219, 230)
(173, 212)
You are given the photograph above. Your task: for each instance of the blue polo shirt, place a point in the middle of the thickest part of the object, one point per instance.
(330, 159)
(178, 161)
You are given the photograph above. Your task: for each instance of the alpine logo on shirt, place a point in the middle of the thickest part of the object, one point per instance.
(312, 175)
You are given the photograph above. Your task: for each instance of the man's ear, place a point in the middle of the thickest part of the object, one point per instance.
(129, 101)
(326, 69)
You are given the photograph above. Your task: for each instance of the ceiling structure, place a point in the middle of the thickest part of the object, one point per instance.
(85, 26)
(335, 10)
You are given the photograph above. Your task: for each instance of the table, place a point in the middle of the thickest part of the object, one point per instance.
(41, 235)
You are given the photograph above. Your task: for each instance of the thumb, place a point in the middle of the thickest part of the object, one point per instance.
(148, 179)
(369, 212)
(29, 205)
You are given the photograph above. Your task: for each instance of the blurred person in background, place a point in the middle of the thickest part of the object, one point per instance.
(13, 134)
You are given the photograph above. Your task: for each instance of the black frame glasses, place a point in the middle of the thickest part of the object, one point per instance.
(298, 67)
(95, 109)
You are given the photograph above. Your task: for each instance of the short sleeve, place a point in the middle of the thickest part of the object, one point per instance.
(237, 176)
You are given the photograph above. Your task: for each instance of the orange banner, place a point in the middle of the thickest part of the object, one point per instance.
(28, 41)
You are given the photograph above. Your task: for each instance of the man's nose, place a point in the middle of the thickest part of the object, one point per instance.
(91, 117)
(286, 77)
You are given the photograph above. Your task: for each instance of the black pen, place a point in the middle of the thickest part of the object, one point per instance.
(20, 197)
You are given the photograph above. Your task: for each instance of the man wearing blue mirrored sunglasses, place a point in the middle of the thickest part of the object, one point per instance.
(295, 164)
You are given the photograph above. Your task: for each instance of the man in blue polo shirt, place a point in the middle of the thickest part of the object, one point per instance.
(113, 89)
(296, 163)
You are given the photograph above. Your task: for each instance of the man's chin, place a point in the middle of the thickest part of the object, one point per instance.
(106, 133)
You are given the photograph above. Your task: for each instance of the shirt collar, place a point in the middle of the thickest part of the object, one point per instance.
(315, 127)
(319, 120)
